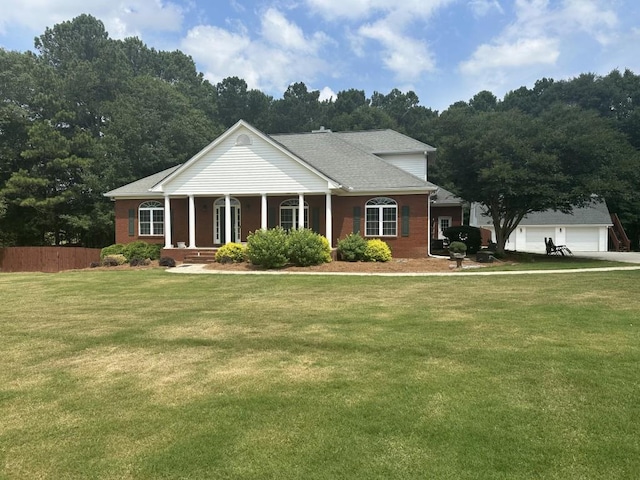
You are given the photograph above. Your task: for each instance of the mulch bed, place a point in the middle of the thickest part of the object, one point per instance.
(396, 265)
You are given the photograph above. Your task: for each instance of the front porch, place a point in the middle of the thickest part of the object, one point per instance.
(194, 223)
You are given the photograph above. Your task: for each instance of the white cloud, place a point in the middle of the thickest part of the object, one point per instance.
(327, 93)
(120, 19)
(279, 53)
(538, 35)
(520, 53)
(482, 8)
(349, 9)
(279, 32)
(404, 50)
(366, 9)
(408, 58)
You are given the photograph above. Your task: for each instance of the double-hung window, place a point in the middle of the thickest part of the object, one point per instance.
(381, 215)
(151, 218)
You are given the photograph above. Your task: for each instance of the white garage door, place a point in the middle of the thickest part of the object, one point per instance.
(582, 239)
(535, 238)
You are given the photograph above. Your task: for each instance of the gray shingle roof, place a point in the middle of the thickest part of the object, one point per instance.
(350, 164)
(595, 213)
(384, 141)
(348, 158)
(444, 197)
(141, 187)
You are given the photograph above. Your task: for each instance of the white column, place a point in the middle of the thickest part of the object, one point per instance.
(227, 218)
(167, 222)
(301, 210)
(328, 219)
(192, 222)
(263, 212)
(429, 224)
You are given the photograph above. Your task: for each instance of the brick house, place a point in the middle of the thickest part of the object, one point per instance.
(370, 182)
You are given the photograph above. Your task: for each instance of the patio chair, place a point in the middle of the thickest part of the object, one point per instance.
(553, 249)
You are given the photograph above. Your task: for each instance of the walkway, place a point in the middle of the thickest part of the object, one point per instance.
(200, 269)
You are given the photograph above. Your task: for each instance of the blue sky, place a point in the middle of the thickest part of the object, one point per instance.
(444, 50)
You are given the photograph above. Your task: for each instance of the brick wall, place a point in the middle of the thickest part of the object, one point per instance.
(413, 245)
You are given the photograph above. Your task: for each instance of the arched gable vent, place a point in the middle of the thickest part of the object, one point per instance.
(243, 139)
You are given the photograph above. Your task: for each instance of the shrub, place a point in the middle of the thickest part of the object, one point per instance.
(470, 236)
(167, 262)
(458, 247)
(94, 264)
(377, 251)
(115, 249)
(306, 248)
(114, 260)
(231, 253)
(351, 248)
(139, 262)
(140, 249)
(268, 248)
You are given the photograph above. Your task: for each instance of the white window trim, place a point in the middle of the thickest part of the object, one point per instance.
(151, 206)
(440, 229)
(293, 205)
(236, 223)
(379, 204)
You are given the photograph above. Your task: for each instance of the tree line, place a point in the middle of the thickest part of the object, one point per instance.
(86, 113)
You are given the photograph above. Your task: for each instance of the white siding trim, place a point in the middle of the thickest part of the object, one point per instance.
(415, 164)
(263, 163)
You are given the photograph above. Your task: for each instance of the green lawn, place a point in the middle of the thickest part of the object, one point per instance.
(145, 374)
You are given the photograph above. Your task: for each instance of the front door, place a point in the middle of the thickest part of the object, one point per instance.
(219, 223)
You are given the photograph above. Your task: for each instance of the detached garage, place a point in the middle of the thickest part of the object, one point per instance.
(583, 230)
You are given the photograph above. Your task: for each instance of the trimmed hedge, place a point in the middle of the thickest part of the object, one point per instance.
(268, 248)
(114, 260)
(306, 248)
(275, 248)
(167, 262)
(458, 247)
(231, 253)
(141, 249)
(377, 251)
(351, 248)
(115, 249)
(137, 249)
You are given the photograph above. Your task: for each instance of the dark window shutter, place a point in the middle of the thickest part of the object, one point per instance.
(405, 221)
(272, 218)
(132, 222)
(356, 219)
(315, 219)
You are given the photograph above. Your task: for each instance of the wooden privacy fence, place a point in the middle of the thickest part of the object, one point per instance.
(46, 259)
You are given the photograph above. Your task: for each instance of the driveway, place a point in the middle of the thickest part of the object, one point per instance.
(626, 257)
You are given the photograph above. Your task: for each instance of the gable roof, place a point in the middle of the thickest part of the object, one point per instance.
(142, 187)
(595, 213)
(345, 159)
(444, 198)
(349, 163)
